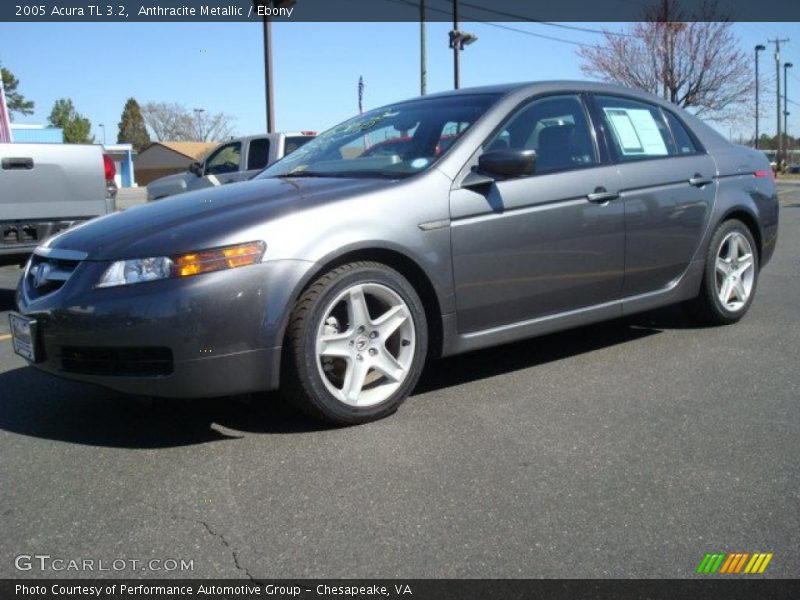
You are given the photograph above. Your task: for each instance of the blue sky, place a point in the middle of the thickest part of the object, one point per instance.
(219, 66)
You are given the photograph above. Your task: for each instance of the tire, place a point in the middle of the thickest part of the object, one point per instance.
(355, 346)
(732, 260)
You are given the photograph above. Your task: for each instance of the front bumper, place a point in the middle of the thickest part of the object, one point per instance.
(222, 330)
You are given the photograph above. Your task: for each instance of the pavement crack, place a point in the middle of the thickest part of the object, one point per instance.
(220, 536)
(234, 552)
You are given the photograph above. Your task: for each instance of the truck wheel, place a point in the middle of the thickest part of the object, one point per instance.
(730, 277)
(356, 344)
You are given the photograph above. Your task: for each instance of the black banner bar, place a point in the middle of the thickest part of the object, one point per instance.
(388, 10)
(734, 588)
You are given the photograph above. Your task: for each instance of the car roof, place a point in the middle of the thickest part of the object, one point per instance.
(550, 85)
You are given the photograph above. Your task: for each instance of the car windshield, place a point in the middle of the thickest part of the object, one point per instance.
(394, 141)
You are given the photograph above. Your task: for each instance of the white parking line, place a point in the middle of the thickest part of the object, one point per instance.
(6, 336)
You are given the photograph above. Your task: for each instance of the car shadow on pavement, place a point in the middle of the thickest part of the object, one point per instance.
(35, 404)
(528, 353)
(7, 300)
(39, 405)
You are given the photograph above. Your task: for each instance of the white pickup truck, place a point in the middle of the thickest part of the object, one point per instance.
(46, 188)
(236, 160)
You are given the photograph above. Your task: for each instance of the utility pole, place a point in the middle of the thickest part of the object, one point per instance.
(458, 40)
(269, 95)
(779, 138)
(786, 67)
(456, 49)
(423, 68)
(759, 48)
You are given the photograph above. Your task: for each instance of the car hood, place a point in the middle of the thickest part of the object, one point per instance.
(205, 218)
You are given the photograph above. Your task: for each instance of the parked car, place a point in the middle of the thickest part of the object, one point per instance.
(334, 275)
(236, 160)
(47, 188)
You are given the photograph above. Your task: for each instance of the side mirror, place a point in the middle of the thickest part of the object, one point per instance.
(508, 162)
(196, 168)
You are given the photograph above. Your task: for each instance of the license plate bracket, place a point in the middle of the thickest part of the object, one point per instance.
(23, 336)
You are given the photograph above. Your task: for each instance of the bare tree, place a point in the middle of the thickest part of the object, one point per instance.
(692, 60)
(174, 122)
(207, 128)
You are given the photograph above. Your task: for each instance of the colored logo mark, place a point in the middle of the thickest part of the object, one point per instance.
(734, 563)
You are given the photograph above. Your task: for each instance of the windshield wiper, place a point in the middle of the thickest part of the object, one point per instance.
(303, 174)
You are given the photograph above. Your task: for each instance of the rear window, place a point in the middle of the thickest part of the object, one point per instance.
(683, 140)
(258, 156)
(295, 141)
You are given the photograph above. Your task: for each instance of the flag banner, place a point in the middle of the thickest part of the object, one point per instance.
(5, 117)
(537, 12)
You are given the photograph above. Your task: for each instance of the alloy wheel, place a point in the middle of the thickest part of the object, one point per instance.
(735, 271)
(365, 344)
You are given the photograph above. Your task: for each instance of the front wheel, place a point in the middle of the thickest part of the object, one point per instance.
(731, 275)
(356, 344)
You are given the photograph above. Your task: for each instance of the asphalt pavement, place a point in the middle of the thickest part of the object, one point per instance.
(627, 449)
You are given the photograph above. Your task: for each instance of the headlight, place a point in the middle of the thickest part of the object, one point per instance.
(125, 272)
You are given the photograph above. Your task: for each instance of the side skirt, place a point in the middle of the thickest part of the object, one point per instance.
(683, 288)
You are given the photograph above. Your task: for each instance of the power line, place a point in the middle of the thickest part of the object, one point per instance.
(548, 23)
(538, 35)
(497, 25)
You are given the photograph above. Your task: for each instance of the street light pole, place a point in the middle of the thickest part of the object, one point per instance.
(103, 127)
(779, 139)
(759, 48)
(786, 67)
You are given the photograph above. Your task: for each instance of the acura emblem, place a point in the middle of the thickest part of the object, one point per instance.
(40, 276)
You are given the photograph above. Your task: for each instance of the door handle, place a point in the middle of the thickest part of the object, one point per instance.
(601, 195)
(699, 181)
(17, 163)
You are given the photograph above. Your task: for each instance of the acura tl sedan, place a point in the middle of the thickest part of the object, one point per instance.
(337, 271)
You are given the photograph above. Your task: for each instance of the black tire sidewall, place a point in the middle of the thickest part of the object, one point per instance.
(331, 407)
(711, 299)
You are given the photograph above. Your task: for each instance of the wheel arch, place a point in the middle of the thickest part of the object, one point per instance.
(744, 215)
(393, 258)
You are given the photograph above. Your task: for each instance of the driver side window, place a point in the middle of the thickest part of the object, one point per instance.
(224, 160)
(556, 127)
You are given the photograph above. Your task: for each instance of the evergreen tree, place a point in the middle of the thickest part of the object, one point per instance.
(132, 129)
(77, 128)
(15, 101)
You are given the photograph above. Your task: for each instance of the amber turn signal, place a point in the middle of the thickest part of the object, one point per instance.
(217, 259)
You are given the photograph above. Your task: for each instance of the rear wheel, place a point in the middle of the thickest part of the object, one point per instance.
(356, 344)
(731, 275)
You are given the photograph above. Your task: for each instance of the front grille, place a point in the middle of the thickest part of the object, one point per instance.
(45, 275)
(117, 361)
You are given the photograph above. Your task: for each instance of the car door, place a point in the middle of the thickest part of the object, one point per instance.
(668, 185)
(544, 244)
(221, 167)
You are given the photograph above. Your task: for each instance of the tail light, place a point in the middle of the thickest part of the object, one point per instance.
(765, 173)
(762, 173)
(110, 169)
(110, 172)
